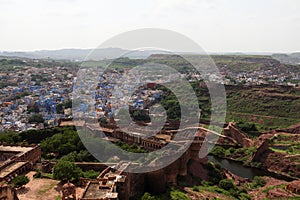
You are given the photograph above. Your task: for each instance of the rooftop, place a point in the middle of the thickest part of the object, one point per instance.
(94, 192)
(163, 136)
(17, 149)
(10, 168)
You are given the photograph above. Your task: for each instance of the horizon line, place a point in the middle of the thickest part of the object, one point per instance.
(207, 52)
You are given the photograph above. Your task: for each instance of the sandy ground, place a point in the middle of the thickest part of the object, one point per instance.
(42, 189)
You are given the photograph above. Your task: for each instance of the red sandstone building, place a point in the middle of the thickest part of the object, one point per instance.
(17, 159)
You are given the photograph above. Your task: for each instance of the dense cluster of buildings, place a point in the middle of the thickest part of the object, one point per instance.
(275, 74)
(28, 91)
(114, 90)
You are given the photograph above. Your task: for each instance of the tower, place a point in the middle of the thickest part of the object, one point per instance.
(68, 191)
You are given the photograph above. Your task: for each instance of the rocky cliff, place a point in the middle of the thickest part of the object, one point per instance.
(277, 160)
(237, 135)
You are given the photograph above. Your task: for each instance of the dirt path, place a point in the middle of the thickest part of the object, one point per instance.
(264, 116)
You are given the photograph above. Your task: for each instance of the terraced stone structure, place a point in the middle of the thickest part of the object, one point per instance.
(17, 159)
(109, 185)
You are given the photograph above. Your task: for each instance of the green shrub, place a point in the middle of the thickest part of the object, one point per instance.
(65, 170)
(256, 164)
(196, 189)
(91, 174)
(20, 181)
(215, 174)
(259, 181)
(177, 195)
(38, 174)
(147, 196)
(36, 118)
(226, 184)
(218, 151)
(244, 196)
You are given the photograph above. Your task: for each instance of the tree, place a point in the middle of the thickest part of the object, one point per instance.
(10, 137)
(60, 107)
(33, 109)
(141, 115)
(71, 157)
(19, 181)
(173, 108)
(84, 155)
(66, 170)
(65, 149)
(246, 126)
(103, 120)
(36, 118)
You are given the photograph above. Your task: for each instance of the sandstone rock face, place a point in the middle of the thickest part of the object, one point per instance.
(293, 129)
(277, 162)
(294, 187)
(196, 169)
(278, 193)
(261, 150)
(239, 136)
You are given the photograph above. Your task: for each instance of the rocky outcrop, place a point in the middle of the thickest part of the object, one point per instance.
(196, 169)
(294, 129)
(239, 136)
(294, 187)
(259, 155)
(278, 162)
(278, 193)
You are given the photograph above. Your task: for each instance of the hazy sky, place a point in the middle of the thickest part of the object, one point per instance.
(216, 25)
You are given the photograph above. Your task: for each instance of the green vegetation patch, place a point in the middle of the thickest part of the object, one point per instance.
(19, 181)
(239, 154)
(225, 187)
(171, 194)
(285, 143)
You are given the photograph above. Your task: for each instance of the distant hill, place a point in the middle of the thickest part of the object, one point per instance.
(68, 54)
(293, 58)
(82, 54)
(111, 53)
